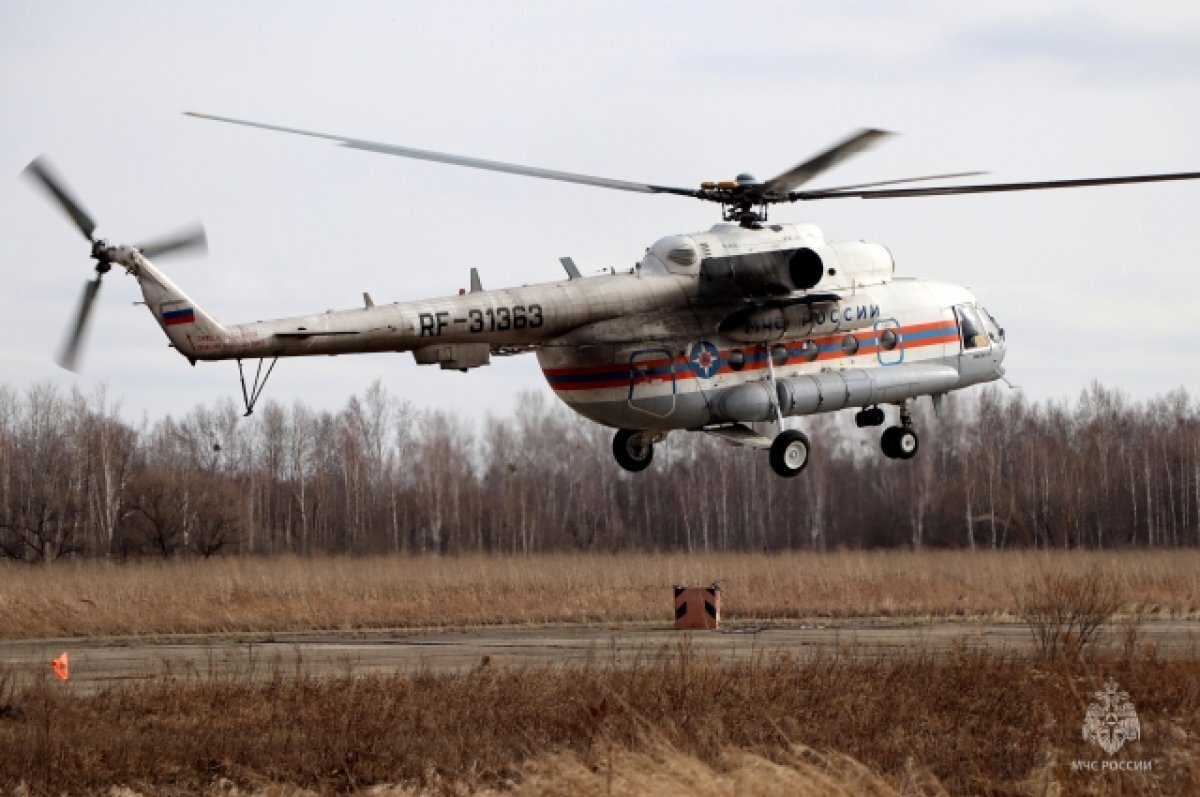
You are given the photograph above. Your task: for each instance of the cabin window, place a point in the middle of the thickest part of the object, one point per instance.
(888, 339)
(850, 344)
(809, 351)
(779, 355)
(736, 359)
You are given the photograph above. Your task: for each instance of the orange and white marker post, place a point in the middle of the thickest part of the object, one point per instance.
(61, 670)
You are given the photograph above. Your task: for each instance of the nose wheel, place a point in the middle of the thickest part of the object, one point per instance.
(900, 442)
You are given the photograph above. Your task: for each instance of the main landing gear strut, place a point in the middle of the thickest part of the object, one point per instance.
(789, 450)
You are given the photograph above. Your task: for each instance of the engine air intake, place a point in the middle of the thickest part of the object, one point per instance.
(805, 268)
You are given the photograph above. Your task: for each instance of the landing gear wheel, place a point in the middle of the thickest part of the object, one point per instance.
(631, 451)
(899, 442)
(789, 453)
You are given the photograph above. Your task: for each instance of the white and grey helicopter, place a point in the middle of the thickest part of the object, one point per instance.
(722, 331)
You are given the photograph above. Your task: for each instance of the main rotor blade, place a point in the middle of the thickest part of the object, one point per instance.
(990, 188)
(950, 176)
(40, 171)
(801, 173)
(69, 356)
(462, 160)
(189, 238)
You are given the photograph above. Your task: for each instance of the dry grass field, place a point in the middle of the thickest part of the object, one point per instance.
(834, 722)
(674, 723)
(295, 594)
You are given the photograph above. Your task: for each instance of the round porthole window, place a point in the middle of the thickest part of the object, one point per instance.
(779, 354)
(888, 339)
(850, 344)
(809, 351)
(736, 359)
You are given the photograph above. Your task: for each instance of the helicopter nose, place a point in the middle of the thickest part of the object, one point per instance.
(999, 349)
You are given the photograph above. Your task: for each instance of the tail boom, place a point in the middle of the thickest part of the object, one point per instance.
(507, 318)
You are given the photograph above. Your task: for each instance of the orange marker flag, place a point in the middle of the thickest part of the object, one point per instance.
(60, 667)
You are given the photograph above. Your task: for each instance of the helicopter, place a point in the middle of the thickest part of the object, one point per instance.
(724, 331)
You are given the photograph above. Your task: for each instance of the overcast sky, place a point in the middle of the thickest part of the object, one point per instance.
(1090, 284)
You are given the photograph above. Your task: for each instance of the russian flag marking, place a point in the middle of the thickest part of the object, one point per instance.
(183, 316)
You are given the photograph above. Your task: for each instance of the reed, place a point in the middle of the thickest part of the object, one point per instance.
(88, 598)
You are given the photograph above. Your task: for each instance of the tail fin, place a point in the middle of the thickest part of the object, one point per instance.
(188, 326)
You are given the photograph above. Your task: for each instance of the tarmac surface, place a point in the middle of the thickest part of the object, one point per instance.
(100, 661)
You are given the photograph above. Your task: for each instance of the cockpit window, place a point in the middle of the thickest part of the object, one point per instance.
(993, 329)
(973, 336)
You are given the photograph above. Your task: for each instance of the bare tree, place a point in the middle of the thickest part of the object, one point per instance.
(995, 470)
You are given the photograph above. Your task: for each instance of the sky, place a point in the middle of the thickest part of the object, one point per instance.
(1091, 284)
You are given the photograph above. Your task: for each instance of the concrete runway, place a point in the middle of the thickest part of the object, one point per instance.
(96, 662)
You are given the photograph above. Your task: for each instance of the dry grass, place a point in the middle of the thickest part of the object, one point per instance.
(677, 723)
(664, 770)
(295, 594)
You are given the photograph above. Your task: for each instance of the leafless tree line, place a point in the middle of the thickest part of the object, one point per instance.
(381, 475)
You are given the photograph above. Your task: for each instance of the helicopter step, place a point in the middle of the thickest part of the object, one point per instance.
(738, 434)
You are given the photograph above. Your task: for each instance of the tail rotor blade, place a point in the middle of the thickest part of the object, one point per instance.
(69, 358)
(189, 238)
(40, 171)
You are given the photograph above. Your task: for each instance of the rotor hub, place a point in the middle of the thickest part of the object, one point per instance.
(100, 249)
(102, 254)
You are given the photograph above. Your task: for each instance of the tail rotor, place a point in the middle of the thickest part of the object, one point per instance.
(42, 174)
